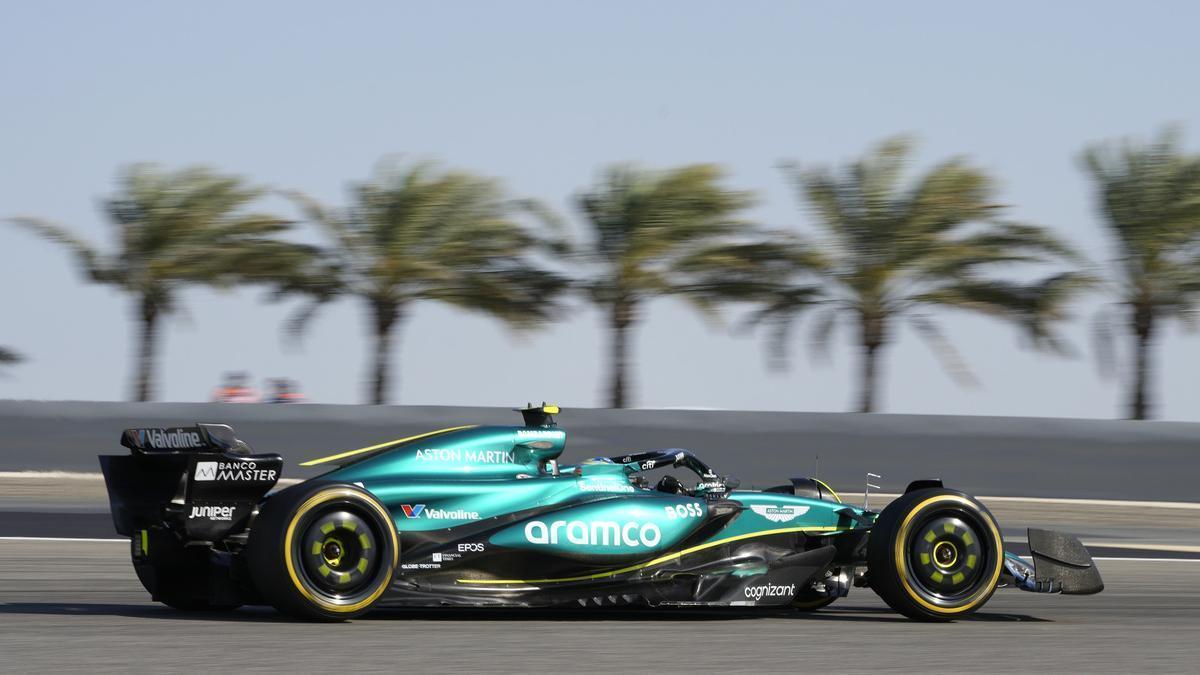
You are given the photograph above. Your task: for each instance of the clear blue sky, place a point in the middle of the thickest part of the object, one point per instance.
(309, 95)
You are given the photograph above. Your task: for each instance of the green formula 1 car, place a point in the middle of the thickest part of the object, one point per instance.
(485, 516)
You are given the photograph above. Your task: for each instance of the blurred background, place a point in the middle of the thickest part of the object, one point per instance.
(774, 206)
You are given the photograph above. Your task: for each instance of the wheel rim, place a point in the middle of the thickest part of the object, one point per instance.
(339, 553)
(947, 557)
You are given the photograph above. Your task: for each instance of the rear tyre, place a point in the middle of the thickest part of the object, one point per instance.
(935, 555)
(322, 551)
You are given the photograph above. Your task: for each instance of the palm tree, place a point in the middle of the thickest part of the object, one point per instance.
(893, 253)
(173, 230)
(1149, 196)
(417, 234)
(673, 232)
(8, 357)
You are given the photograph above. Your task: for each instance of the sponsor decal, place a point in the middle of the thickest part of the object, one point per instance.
(688, 510)
(473, 547)
(604, 485)
(779, 514)
(421, 566)
(419, 511)
(164, 438)
(233, 471)
(711, 486)
(468, 456)
(437, 557)
(212, 512)
(540, 433)
(595, 533)
(757, 593)
(648, 464)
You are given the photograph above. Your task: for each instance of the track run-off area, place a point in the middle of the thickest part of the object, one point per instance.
(69, 600)
(76, 607)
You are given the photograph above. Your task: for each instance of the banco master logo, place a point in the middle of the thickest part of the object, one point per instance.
(779, 514)
(232, 471)
(757, 593)
(163, 438)
(594, 533)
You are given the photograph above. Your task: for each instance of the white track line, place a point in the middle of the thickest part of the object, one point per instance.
(52, 475)
(84, 475)
(82, 539)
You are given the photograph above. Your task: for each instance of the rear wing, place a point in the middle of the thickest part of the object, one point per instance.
(212, 437)
(196, 483)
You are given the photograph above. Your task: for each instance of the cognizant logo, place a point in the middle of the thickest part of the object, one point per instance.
(596, 533)
(757, 593)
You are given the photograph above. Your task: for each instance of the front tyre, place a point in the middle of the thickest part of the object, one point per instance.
(935, 555)
(323, 551)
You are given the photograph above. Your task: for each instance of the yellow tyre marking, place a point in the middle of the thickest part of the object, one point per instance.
(364, 541)
(316, 500)
(902, 562)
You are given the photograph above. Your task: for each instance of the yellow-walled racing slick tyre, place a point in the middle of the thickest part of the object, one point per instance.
(322, 551)
(935, 555)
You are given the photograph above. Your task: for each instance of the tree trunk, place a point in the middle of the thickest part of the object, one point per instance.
(619, 321)
(384, 316)
(872, 337)
(1143, 330)
(143, 383)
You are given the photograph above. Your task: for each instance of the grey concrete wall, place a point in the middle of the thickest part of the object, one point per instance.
(982, 455)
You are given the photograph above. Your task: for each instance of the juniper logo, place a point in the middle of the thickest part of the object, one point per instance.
(779, 514)
(166, 439)
(212, 512)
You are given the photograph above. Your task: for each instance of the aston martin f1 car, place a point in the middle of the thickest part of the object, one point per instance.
(486, 516)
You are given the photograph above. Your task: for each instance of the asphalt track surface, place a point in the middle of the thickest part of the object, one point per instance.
(1022, 457)
(77, 607)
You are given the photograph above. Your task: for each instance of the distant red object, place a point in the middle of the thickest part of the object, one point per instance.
(236, 389)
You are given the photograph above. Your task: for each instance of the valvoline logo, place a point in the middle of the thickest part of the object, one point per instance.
(412, 510)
